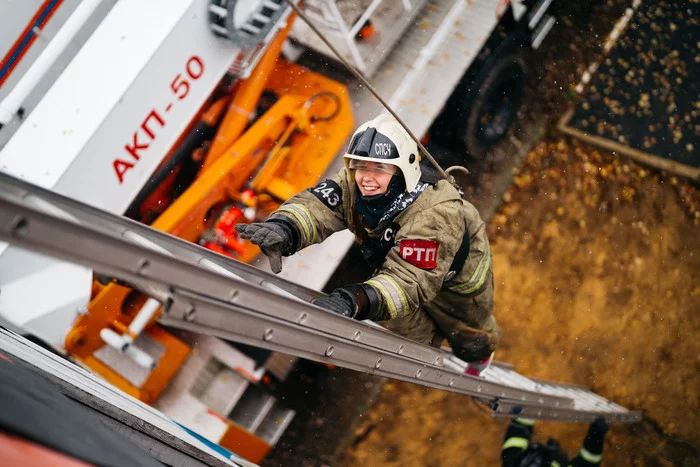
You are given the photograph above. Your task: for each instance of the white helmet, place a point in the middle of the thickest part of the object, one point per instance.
(384, 140)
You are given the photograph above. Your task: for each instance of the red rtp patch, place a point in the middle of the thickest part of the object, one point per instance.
(420, 253)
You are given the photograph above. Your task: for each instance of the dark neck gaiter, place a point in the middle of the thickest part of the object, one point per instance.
(372, 208)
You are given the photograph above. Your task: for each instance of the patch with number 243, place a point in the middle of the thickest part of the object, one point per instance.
(329, 193)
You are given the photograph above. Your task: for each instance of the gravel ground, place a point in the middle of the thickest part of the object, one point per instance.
(645, 94)
(596, 261)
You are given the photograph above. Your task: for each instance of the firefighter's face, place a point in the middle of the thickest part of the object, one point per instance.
(372, 178)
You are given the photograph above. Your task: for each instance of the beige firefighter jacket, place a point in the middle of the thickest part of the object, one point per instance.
(413, 280)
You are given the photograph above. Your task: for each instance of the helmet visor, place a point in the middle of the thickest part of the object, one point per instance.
(371, 166)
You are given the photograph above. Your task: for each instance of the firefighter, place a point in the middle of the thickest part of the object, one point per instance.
(519, 451)
(433, 275)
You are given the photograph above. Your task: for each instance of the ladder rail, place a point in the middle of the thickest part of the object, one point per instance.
(207, 272)
(185, 307)
(89, 215)
(587, 404)
(220, 303)
(509, 409)
(169, 279)
(230, 322)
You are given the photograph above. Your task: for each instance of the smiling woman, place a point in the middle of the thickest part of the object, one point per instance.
(372, 178)
(427, 250)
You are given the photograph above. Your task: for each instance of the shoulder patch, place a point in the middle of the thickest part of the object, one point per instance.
(329, 193)
(420, 253)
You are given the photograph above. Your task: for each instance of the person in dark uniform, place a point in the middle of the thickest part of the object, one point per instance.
(519, 450)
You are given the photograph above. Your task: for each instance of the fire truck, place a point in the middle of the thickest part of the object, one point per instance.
(192, 116)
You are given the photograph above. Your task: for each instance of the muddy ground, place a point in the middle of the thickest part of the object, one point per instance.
(597, 266)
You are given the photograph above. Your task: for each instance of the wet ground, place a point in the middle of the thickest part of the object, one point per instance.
(597, 264)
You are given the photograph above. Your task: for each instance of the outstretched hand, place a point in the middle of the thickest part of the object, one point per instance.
(272, 238)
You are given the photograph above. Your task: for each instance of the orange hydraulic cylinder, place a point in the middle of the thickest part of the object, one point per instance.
(246, 99)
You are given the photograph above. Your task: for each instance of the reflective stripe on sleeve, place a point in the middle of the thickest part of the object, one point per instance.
(304, 219)
(394, 295)
(478, 278)
(521, 443)
(554, 464)
(588, 456)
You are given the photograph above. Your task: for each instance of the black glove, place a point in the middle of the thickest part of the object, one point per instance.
(338, 302)
(598, 427)
(273, 238)
(351, 301)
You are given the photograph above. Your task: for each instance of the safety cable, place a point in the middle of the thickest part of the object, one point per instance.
(364, 81)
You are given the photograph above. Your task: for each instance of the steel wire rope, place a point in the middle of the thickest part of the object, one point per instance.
(364, 81)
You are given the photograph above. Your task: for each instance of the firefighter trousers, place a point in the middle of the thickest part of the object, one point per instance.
(466, 321)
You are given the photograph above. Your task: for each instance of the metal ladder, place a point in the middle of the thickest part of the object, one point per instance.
(207, 293)
(585, 401)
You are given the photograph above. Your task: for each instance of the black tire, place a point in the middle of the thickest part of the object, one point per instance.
(499, 68)
(491, 104)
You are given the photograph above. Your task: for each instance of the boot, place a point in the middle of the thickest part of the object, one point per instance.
(477, 369)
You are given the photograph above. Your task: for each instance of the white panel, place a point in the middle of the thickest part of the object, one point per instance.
(81, 98)
(151, 91)
(94, 109)
(82, 124)
(40, 294)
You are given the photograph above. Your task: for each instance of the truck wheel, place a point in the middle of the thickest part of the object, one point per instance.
(491, 104)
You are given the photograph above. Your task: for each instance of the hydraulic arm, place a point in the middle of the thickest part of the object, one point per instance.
(248, 170)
